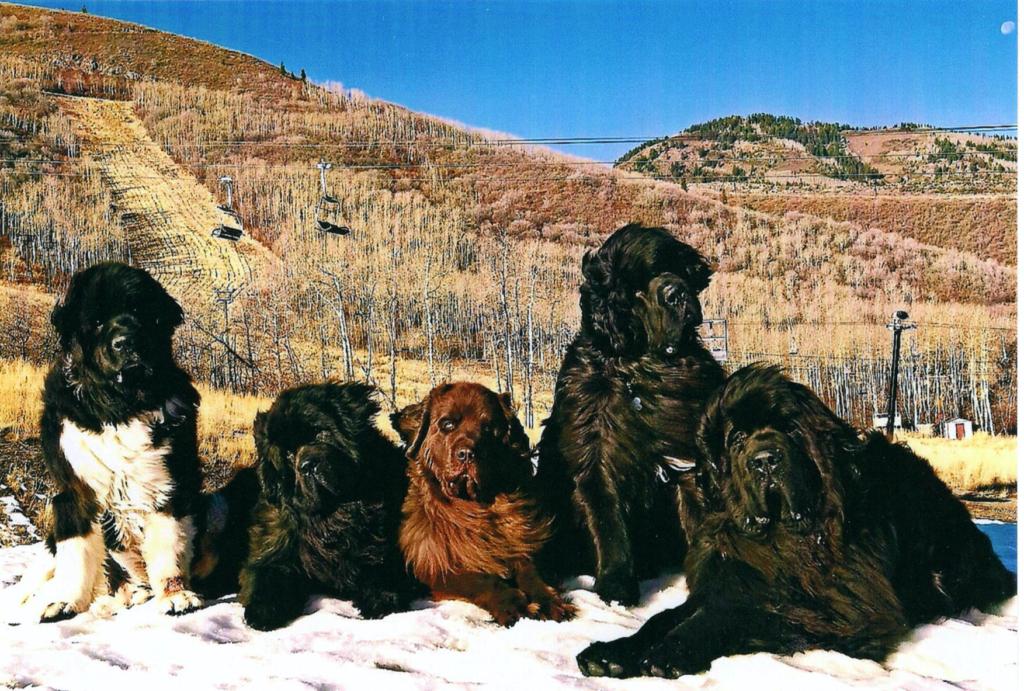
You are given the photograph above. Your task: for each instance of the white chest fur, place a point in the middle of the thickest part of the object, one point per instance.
(121, 465)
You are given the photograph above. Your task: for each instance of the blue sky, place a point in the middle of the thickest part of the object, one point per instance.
(596, 68)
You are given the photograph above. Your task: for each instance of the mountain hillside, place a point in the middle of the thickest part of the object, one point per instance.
(784, 152)
(465, 250)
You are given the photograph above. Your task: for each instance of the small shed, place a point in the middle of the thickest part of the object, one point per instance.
(957, 428)
(878, 421)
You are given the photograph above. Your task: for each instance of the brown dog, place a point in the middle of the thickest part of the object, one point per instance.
(469, 532)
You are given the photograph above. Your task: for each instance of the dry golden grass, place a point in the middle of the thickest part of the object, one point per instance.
(981, 462)
(21, 401)
(225, 426)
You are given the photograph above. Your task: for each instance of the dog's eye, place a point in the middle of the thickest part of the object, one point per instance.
(673, 295)
(447, 425)
(737, 437)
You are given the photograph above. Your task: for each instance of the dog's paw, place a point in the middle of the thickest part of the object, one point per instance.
(511, 607)
(608, 659)
(179, 602)
(266, 616)
(381, 604)
(132, 594)
(669, 660)
(59, 611)
(137, 594)
(621, 588)
(549, 605)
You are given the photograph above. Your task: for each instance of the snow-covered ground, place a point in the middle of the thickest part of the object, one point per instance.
(449, 645)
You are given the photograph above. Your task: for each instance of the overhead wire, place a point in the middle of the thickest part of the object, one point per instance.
(398, 166)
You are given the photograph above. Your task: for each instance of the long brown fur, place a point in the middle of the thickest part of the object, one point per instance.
(470, 531)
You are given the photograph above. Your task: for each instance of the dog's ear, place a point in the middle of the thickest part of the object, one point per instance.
(517, 439)
(595, 272)
(169, 311)
(63, 313)
(357, 398)
(270, 477)
(408, 422)
(696, 269)
(259, 424)
(58, 317)
(422, 431)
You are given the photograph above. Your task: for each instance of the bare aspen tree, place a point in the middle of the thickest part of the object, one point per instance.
(529, 340)
(428, 319)
(336, 290)
(393, 309)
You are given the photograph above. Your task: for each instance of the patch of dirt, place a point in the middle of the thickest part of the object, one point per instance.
(1000, 505)
(24, 479)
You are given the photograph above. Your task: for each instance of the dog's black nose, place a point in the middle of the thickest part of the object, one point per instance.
(767, 459)
(464, 454)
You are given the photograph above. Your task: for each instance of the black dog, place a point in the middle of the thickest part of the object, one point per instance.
(328, 519)
(814, 537)
(625, 413)
(119, 440)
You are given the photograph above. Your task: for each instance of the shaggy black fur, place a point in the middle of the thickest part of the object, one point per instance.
(330, 511)
(628, 398)
(813, 537)
(115, 326)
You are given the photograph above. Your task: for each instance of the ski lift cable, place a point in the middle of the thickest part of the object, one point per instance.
(533, 164)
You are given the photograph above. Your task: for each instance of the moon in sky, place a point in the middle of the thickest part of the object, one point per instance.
(1007, 27)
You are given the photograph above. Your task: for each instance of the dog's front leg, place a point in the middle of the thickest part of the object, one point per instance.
(595, 495)
(487, 591)
(77, 545)
(167, 550)
(545, 602)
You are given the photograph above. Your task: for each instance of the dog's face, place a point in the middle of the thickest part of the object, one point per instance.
(467, 438)
(116, 322)
(768, 446)
(641, 292)
(308, 446)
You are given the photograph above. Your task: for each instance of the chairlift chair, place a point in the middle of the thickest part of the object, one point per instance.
(329, 217)
(230, 227)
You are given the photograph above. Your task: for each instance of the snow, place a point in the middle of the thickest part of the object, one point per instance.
(450, 645)
(13, 510)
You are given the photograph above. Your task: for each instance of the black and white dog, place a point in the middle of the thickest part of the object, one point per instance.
(119, 440)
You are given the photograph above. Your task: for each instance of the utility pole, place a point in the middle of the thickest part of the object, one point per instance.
(898, 326)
